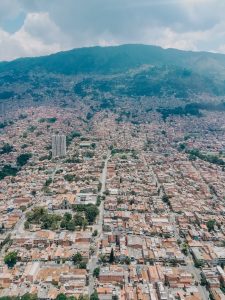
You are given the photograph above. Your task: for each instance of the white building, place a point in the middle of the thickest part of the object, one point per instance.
(86, 198)
(58, 146)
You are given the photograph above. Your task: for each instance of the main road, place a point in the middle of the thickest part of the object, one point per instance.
(93, 262)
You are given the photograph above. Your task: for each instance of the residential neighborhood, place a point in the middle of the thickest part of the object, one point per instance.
(127, 212)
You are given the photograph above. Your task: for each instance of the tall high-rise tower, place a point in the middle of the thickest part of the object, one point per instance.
(2, 109)
(58, 146)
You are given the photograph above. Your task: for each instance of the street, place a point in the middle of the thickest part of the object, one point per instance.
(98, 226)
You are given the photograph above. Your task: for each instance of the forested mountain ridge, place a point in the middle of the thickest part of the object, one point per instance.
(111, 60)
(128, 71)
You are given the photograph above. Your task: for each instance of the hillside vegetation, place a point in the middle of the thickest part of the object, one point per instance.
(131, 71)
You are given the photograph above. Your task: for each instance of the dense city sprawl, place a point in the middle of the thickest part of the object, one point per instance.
(134, 210)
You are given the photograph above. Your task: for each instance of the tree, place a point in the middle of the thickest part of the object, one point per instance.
(173, 262)
(48, 182)
(99, 187)
(28, 296)
(78, 220)
(185, 251)
(165, 198)
(95, 233)
(111, 257)
(61, 297)
(83, 265)
(11, 259)
(179, 242)
(71, 225)
(33, 193)
(77, 258)
(26, 225)
(94, 296)
(211, 296)
(198, 263)
(23, 159)
(8, 170)
(83, 297)
(127, 260)
(40, 215)
(96, 272)
(103, 258)
(85, 224)
(69, 177)
(63, 223)
(210, 225)
(7, 148)
(203, 281)
(107, 192)
(181, 147)
(89, 116)
(90, 210)
(68, 222)
(98, 202)
(51, 120)
(91, 213)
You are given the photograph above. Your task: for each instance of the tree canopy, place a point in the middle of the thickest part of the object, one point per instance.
(11, 259)
(22, 159)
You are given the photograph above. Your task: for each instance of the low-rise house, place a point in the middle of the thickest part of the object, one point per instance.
(86, 198)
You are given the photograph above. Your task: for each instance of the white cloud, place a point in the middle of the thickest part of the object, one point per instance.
(54, 25)
(39, 25)
(172, 39)
(211, 39)
(9, 9)
(38, 36)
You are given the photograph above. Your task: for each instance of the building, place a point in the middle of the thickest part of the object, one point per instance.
(161, 291)
(86, 198)
(217, 294)
(2, 109)
(220, 255)
(31, 271)
(111, 275)
(58, 146)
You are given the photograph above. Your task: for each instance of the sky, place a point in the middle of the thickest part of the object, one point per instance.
(40, 27)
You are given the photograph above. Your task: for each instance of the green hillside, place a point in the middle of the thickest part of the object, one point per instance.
(128, 70)
(110, 60)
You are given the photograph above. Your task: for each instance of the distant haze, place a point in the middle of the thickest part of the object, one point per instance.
(38, 27)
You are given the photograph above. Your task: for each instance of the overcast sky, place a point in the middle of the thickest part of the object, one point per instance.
(38, 27)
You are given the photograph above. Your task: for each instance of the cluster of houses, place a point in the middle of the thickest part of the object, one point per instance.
(160, 233)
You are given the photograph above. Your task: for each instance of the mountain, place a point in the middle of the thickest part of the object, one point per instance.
(111, 60)
(123, 71)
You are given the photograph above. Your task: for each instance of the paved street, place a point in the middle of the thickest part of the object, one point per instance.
(94, 259)
(196, 272)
